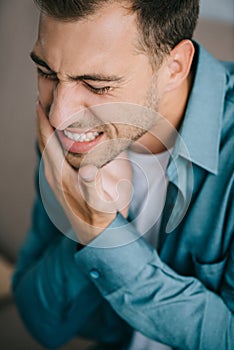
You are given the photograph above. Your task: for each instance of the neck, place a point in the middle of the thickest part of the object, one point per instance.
(172, 109)
(173, 105)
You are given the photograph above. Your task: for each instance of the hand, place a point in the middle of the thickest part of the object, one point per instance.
(90, 197)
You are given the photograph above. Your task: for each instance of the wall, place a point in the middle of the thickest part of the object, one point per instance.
(218, 10)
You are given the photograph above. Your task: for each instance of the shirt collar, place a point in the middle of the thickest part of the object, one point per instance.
(201, 128)
(199, 137)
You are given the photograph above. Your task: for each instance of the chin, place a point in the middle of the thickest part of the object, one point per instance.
(101, 155)
(98, 158)
(74, 160)
(77, 161)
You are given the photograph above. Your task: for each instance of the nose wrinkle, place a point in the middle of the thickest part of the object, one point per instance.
(82, 119)
(66, 103)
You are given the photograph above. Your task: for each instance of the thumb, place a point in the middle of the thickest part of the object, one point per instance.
(88, 173)
(91, 187)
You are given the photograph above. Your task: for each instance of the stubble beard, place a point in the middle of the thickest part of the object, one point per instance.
(108, 150)
(105, 152)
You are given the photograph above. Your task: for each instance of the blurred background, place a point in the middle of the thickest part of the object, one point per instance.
(18, 28)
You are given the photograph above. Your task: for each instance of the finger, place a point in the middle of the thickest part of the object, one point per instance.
(117, 180)
(41, 144)
(43, 125)
(47, 139)
(92, 189)
(88, 173)
(43, 128)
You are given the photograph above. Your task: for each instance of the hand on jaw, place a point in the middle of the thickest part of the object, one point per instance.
(90, 197)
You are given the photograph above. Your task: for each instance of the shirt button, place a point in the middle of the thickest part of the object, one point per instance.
(94, 274)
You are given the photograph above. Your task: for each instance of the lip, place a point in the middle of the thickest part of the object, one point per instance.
(77, 147)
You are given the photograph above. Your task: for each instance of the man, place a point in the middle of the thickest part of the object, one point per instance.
(121, 87)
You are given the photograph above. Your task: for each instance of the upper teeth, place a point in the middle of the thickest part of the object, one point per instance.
(90, 136)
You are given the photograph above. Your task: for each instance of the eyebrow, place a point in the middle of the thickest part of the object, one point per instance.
(39, 61)
(92, 77)
(96, 77)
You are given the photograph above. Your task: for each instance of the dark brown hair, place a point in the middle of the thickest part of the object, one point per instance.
(162, 23)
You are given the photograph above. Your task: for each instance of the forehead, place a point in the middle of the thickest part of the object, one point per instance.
(108, 36)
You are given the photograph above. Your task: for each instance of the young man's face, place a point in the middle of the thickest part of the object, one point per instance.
(94, 62)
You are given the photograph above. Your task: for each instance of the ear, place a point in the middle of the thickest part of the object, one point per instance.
(179, 64)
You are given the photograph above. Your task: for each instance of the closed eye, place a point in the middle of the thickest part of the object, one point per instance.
(46, 75)
(99, 91)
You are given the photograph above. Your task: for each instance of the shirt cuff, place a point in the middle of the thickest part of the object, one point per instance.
(116, 256)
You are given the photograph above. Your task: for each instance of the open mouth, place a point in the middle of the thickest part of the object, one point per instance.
(76, 142)
(84, 137)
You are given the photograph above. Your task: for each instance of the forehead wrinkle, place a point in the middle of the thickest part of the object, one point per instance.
(94, 65)
(93, 76)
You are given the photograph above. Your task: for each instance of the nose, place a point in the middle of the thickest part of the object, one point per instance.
(68, 99)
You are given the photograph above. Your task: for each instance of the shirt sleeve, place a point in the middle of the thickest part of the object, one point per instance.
(55, 299)
(175, 310)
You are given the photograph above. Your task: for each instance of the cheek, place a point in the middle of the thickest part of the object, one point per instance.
(45, 92)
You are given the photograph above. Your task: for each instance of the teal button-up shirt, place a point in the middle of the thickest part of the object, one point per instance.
(181, 295)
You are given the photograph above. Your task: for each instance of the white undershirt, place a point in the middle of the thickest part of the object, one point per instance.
(150, 185)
